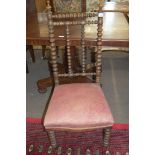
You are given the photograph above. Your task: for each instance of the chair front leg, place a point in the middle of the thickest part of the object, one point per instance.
(52, 138)
(106, 138)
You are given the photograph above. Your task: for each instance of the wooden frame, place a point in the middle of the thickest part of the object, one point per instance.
(81, 20)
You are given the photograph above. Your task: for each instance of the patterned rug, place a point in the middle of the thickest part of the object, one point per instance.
(90, 142)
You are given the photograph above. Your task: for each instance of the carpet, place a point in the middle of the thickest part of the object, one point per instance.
(37, 141)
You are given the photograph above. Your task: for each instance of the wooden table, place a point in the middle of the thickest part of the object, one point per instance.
(115, 31)
(115, 28)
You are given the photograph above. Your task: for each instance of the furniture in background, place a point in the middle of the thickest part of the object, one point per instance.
(77, 106)
(123, 4)
(62, 6)
(68, 6)
(119, 5)
(27, 68)
(31, 7)
(115, 34)
(31, 51)
(40, 5)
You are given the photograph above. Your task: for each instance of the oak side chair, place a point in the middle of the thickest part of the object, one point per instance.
(77, 106)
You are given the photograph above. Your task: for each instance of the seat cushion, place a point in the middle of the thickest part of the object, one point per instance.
(78, 106)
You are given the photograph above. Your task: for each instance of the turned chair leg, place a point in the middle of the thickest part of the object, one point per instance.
(52, 138)
(106, 138)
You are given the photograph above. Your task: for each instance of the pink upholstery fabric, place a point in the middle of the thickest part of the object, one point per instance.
(78, 106)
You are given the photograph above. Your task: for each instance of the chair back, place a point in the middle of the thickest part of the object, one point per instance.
(66, 21)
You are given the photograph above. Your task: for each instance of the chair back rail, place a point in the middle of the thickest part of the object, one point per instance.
(77, 19)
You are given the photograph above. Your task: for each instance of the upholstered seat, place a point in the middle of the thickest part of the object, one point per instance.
(78, 106)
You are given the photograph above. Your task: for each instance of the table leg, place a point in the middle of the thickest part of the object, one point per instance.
(43, 51)
(27, 68)
(31, 51)
(127, 17)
